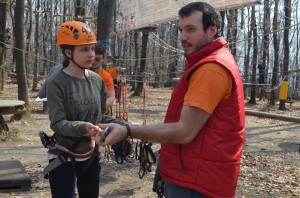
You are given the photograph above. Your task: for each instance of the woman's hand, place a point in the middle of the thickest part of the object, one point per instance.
(93, 130)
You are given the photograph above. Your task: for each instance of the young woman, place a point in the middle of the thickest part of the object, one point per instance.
(76, 100)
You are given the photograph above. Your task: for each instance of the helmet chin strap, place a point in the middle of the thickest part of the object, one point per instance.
(83, 69)
(71, 59)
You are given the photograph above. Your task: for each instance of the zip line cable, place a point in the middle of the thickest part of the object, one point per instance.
(178, 50)
(130, 59)
(31, 54)
(153, 58)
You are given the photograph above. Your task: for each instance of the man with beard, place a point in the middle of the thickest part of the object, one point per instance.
(202, 137)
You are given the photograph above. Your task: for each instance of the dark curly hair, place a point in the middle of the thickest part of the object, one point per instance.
(211, 17)
(100, 48)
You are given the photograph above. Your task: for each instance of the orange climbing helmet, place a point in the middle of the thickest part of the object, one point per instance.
(75, 33)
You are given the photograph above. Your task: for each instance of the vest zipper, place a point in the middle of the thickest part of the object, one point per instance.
(183, 170)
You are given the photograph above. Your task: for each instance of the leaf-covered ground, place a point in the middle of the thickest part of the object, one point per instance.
(269, 166)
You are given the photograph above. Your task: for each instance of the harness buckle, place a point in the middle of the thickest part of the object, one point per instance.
(47, 141)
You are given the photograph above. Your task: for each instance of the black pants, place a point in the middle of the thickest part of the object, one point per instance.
(261, 79)
(62, 179)
(174, 191)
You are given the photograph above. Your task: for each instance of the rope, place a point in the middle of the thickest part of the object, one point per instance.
(121, 99)
(84, 155)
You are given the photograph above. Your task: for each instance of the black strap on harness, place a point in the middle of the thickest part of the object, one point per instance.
(123, 150)
(158, 182)
(146, 157)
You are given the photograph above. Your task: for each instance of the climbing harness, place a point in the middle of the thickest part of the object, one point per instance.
(51, 143)
(146, 157)
(144, 152)
(123, 150)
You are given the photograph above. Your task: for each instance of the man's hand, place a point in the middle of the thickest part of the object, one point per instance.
(116, 134)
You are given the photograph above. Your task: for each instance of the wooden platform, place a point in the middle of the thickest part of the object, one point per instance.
(13, 177)
(9, 103)
(10, 107)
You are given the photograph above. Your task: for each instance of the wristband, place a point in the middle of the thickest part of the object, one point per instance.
(128, 130)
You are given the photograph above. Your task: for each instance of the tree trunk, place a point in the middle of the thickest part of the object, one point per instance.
(173, 66)
(139, 88)
(36, 38)
(287, 25)
(45, 35)
(276, 55)
(247, 57)
(104, 20)
(28, 57)
(28, 23)
(3, 39)
(80, 10)
(12, 67)
(266, 40)
(19, 52)
(136, 62)
(232, 30)
(222, 13)
(130, 56)
(158, 77)
(254, 59)
(297, 79)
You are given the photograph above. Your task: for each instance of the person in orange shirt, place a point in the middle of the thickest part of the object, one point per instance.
(114, 72)
(110, 68)
(100, 52)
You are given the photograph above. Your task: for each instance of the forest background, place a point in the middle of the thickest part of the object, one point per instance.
(267, 32)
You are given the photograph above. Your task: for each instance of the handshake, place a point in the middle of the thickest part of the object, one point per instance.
(108, 134)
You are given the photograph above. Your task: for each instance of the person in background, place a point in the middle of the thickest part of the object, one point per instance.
(113, 71)
(76, 100)
(203, 134)
(97, 67)
(261, 70)
(42, 90)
